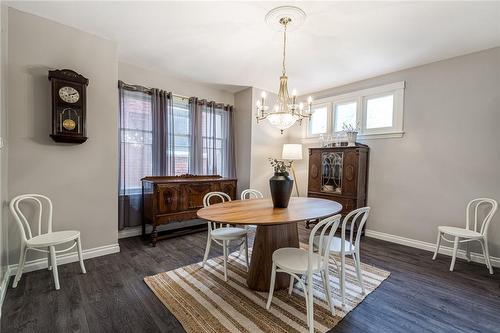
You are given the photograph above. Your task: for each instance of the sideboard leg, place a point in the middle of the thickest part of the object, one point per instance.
(154, 236)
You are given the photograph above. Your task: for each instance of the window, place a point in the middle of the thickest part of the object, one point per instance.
(136, 135)
(318, 123)
(214, 136)
(345, 113)
(377, 112)
(182, 135)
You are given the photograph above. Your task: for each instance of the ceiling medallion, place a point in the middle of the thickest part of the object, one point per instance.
(286, 112)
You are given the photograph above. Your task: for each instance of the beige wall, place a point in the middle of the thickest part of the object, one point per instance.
(450, 152)
(4, 260)
(255, 143)
(81, 179)
(243, 136)
(136, 75)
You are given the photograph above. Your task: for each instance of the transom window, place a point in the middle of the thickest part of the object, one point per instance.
(318, 123)
(375, 112)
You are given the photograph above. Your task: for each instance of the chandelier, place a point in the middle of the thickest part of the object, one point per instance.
(286, 112)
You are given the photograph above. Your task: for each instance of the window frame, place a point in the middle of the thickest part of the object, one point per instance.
(328, 120)
(396, 89)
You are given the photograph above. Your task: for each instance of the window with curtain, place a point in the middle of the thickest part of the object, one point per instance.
(214, 138)
(164, 135)
(182, 135)
(136, 135)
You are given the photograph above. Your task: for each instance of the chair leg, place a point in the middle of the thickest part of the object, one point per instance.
(80, 255)
(467, 251)
(20, 266)
(342, 280)
(438, 244)
(207, 249)
(224, 245)
(49, 264)
(486, 253)
(246, 253)
(359, 272)
(328, 292)
(54, 266)
(290, 287)
(454, 257)
(271, 287)
(310, 305)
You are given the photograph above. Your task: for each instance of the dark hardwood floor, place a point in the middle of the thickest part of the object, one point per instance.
(419, 296)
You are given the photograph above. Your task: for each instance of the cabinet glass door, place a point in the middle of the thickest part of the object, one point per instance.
(331, 176)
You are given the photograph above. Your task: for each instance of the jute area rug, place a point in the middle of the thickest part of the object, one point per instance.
(203, 302)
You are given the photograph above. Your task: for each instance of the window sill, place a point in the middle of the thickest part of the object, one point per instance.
(372, 136)
(387, 135)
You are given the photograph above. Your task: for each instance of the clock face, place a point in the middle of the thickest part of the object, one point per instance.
(69, 94)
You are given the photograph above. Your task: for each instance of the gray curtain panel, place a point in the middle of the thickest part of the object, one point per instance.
(163, 133)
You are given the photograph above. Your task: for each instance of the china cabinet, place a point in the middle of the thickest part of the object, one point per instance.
(339, 174)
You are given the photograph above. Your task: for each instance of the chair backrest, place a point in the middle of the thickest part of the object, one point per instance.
(223, 197)
(477, 224)
(357, 220)
(22, 220)
(251, 194)
(328, 228)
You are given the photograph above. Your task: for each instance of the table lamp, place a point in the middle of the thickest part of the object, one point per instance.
(292, 152)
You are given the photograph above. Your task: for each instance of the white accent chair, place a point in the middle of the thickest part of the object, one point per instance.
(250, 193)
(47, 240)
(342, 247)
(474, 230)
(297, 262)
(218, 232)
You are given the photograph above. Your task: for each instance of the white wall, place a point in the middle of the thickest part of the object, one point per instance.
(266, 142)
(136, 75)
(243, 136)
(4, 260)
(255, 143)
(450, 152)
(81, 179)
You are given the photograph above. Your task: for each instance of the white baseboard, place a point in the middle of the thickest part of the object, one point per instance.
(3, 287)
(66, 258)
(476, 257)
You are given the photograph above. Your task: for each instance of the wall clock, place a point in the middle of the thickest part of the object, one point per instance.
(68, 106)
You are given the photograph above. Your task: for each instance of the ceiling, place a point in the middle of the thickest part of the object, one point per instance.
(229, 43)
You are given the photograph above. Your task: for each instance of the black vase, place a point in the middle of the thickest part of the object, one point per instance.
(281, 189)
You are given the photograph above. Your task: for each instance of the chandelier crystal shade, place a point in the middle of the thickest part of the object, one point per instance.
(286, 112)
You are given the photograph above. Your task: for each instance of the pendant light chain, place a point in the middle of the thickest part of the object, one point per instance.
(284, 47)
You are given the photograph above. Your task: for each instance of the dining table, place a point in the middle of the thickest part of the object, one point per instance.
(276, 228)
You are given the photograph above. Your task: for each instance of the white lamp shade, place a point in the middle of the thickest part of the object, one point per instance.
(292, 151)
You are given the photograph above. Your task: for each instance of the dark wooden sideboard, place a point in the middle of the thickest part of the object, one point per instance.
(339, 174)
(167, 199)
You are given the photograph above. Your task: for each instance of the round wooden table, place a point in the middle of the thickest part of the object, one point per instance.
(276, 228)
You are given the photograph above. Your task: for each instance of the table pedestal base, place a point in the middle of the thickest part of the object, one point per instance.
(267, 240)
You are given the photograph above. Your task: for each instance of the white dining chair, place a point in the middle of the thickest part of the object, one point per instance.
(218, 232)
(295, 262)
(475, 230)
(42, 242)
(343, 247)
(250, 193)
